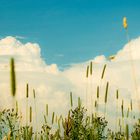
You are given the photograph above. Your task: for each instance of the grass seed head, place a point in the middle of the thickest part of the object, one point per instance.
(103, 72)
(47, 110)
(122, 108)
(98, 92)
(91, 68)
(125, 25)
(87, 72)
(106, 92)
(117, 94)
(71, 99)
(13, 77)
(34, 94)
(52, 117)
(30, 114)
(27, 90)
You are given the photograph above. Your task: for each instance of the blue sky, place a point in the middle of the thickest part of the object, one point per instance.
(70, 31)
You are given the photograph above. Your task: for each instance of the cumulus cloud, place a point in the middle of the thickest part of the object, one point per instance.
(53, 86)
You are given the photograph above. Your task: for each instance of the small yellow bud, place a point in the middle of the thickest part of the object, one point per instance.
(125, 23)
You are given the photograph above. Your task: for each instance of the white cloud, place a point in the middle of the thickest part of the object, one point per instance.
(53, 86)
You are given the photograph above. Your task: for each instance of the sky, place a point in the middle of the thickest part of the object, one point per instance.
(70, 31)
(53, 41)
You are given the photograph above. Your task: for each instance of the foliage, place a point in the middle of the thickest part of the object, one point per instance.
(9, 122)
(82, 127)
(136, 132)
(76, 126)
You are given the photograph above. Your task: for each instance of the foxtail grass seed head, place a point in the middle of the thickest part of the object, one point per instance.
(97, 92)
(79, 102)
(87, 72)
(106, 92)
(34, 94)
(91, 68)
(131, 105)
(103, 72)
(125, 25)
(27, 90)
(52, 117)
(30, 114)
(47, 110)
(71, 99)
(122, 108)
(117, 94)
(13, 77)
(95, 104)
(112, 57)
(16, 107)
(127, 113)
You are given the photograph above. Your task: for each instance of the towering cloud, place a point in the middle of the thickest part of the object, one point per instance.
(53, 86)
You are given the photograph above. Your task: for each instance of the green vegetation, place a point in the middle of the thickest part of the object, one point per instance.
(76, 126)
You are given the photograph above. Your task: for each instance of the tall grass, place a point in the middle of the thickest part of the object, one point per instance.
(117, 102)
(27, 96)
(35, 109)
(87, 75)
(71, 100)
(133, 70)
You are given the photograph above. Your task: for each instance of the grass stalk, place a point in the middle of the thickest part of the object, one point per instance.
(87, 75)
(117, 99)
(27, 96)
(53, 117)
(97, 102)
(133, 70)
(122, 110)
(36, 120)
(91, 91)
(127, 132)
(47, 110)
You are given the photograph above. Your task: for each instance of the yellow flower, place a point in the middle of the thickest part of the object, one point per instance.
(125, 22)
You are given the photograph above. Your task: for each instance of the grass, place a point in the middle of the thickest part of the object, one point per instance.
(76, 125)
